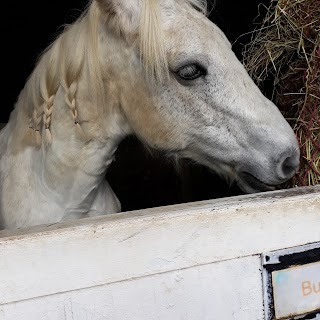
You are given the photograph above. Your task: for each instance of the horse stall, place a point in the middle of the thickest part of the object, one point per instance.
(186, 245)
(249, 257)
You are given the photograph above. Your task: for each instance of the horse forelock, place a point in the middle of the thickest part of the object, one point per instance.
(152, 45)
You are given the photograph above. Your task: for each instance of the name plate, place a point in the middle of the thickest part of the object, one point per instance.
(296, 290)
(291, 283)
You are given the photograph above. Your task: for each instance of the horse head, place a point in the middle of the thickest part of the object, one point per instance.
(184, 91)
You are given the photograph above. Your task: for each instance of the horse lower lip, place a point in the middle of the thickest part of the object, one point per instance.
(255, 183)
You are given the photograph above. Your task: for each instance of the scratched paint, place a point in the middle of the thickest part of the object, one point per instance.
(223, 290)
(185, 262)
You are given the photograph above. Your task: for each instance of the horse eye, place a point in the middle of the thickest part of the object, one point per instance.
(190, 72)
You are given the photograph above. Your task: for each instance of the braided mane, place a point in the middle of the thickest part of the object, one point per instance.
(61, 64)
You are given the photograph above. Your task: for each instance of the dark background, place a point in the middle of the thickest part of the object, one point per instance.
(141, 179)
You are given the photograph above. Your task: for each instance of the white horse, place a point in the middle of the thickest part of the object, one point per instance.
(158, 69)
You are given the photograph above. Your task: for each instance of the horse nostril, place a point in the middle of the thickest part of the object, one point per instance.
(290, 165)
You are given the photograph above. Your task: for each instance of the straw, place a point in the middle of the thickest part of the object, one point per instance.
(285, 49)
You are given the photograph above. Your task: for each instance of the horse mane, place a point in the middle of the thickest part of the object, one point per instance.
(61, 63)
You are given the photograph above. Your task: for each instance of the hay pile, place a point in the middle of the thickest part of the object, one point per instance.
(285, 51)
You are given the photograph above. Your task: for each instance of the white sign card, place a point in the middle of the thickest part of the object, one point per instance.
(296, 290)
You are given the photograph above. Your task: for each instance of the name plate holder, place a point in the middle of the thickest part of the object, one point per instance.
(291, 283)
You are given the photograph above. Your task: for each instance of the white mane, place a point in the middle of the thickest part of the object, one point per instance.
(61, 64)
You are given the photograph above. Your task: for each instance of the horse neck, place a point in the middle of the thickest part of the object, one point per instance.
(74, 165)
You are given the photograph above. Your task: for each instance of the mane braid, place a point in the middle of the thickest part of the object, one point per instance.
(61, 64)
(48, 88)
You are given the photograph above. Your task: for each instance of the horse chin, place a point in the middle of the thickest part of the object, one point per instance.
(250, 184)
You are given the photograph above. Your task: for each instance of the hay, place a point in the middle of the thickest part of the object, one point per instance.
(285, 49)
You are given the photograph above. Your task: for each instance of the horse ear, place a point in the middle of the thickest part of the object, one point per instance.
(124, 13)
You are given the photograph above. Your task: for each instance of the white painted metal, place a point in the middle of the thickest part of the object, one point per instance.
(128, 265)
(194, 293)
